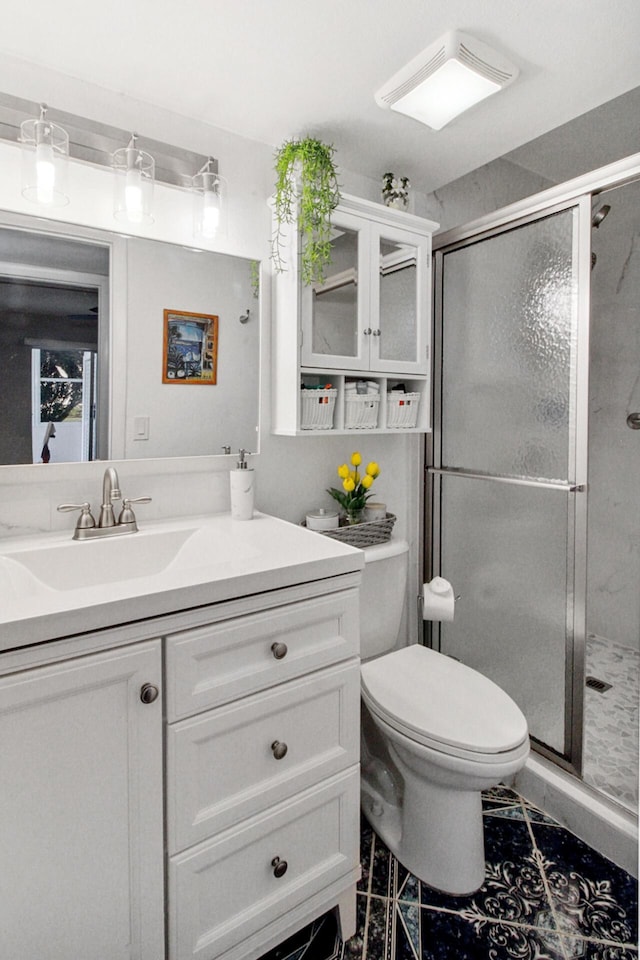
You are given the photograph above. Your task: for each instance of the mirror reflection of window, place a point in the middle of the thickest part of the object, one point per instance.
(52, 290)
(63, 404)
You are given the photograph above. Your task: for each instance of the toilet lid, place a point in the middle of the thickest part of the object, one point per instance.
(430, 696)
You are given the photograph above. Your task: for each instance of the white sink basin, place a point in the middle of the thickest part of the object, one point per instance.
(84, 563)
(79, 564)
(52, 586)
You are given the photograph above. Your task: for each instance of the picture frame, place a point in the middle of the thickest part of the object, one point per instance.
(190, 348)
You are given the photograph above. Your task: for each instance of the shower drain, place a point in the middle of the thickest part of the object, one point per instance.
(594, 684)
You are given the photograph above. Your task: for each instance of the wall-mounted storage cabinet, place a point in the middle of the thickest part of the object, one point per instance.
(370, 320)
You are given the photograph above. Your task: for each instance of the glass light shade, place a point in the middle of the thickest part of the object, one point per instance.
(134, 172)
(209, 203)
(45, 152)
(445, 94)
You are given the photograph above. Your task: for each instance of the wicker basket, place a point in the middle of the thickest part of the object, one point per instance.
(361, 411)
(361, 534)
(402, 410)
(317, 408)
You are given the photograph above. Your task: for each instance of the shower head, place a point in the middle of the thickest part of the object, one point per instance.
(599, 215)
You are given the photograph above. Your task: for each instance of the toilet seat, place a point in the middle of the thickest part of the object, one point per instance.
(443, 704)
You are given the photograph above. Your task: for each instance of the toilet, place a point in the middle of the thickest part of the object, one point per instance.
(435, 733)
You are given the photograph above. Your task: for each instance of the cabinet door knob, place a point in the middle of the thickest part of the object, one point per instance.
(367, 332)
(279, 650)
(279, 749)
(148, 693)
(376, 333)
(279, 867)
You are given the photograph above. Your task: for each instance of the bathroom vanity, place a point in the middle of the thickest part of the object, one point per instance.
(180, 733)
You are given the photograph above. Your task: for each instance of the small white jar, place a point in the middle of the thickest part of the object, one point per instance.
(323, 519)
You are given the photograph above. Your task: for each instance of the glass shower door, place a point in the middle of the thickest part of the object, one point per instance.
(508, 471)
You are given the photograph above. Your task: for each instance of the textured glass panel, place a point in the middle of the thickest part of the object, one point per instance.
(335, 303)
(398, 309)
(504, 549)
(509, 331)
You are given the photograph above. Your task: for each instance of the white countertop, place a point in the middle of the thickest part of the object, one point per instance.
(166, 567)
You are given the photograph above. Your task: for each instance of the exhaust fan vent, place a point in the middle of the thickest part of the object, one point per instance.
(451, 75)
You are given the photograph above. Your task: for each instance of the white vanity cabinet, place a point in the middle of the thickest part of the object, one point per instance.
(81, 831)
(262, 775)
(370, 319)
(183, 782)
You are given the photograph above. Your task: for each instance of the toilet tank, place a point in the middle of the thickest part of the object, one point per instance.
(382, 594)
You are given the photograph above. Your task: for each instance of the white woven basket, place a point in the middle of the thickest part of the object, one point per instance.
(361, 411)
(402, 410)
(317, 408)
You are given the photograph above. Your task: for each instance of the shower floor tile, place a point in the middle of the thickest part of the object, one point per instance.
(611, 721)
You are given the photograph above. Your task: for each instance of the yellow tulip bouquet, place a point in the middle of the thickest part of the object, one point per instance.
(355, 487)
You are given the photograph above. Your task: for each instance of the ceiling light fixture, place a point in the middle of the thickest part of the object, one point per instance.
(451, 75)
(134, 172)
(45, 151)
(209, 196)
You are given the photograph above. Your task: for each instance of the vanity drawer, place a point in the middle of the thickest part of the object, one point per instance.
(226, 765)
(223, 891)
(212, 665)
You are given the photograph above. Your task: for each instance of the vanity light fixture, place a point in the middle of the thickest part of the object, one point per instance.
(134, 173)
(209, 201)
(451, 75)
(45, 152)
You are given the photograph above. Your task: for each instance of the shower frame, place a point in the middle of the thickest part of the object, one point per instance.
(576, 194)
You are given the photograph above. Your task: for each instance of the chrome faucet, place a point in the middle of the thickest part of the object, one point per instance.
(110, 492)
(107, 526)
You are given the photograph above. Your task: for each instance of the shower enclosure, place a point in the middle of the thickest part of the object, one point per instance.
(534, 472)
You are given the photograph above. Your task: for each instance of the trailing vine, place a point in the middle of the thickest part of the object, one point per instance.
(306, 193)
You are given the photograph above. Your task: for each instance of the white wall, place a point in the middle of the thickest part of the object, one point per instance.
(183, 418)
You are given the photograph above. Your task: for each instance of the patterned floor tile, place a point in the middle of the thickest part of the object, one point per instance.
(407, 931)
(590, 896)
(377, 942)
(588, 950)
(366, 842)
(447, 936)
(513, 888)
(507, 811)
(500, 794)
(547, 898)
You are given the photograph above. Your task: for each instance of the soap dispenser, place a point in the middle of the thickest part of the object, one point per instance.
(242, 487)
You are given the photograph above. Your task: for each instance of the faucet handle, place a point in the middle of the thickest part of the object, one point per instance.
(126, 514)
(85, 520)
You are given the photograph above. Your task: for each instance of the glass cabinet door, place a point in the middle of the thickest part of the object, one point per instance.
(335, 313)
(399, 303)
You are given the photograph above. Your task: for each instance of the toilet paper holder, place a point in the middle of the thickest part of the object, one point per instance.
(438, 600)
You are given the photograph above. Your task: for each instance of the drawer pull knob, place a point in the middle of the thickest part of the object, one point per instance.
(279, 650)
(279, 749)
(279, 867)
(148, 693)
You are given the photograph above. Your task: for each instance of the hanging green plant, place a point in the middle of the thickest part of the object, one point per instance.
(306, 192)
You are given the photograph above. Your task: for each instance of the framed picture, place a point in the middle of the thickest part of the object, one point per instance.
(190, 352)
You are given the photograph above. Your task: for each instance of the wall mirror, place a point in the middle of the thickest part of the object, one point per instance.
(83, 339)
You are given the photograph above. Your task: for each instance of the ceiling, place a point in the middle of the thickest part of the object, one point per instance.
(271, 69)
